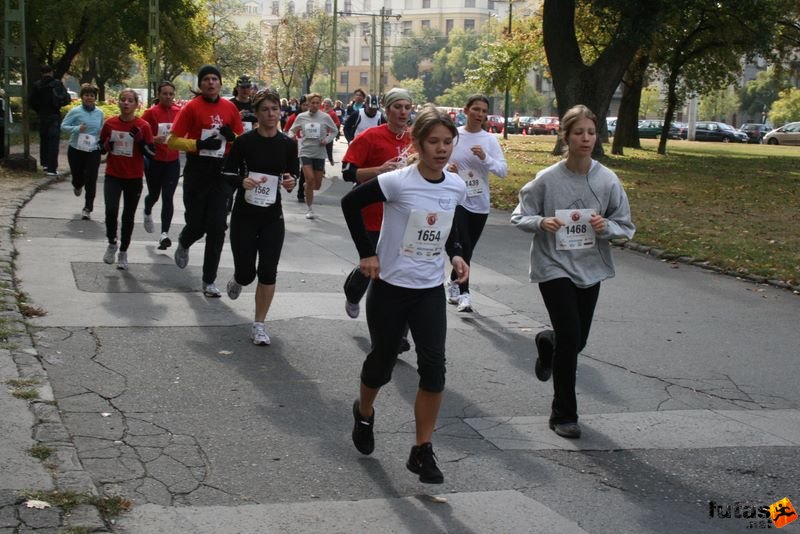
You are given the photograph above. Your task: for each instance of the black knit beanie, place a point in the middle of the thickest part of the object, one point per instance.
(205, 70)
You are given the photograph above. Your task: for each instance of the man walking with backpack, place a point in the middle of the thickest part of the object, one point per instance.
(48, 96)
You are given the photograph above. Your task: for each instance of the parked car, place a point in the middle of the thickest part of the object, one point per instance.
(515, 125)
(788, 134)
(651, 129)
(495, 123)
(611, 125)
(755, 131)
(717, 131)
(527, 124)
(546, 126)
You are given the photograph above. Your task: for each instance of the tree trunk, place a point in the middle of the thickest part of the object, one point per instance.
(627, 132)
(592, 85)
(672, 105)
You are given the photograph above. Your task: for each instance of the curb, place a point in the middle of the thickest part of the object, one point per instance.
(48, 428)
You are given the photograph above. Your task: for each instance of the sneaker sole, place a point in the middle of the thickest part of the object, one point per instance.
(260, 343)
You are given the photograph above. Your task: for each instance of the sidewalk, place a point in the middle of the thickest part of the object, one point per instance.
(30, 418)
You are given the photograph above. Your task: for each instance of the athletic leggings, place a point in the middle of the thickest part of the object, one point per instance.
(389, 308)
(571, 309)
(84, 166)
(470, 227)
(130, 189)
(205, 199)
(162, 180)
(251, 237)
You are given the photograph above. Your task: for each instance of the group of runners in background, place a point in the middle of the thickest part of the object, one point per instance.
(421, 193)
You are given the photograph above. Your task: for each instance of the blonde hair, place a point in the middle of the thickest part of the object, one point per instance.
(309, 96)
(131, 91)
(572, 116)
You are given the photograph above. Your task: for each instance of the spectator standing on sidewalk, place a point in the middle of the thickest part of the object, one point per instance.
(407, 270)
(258, 164)
(475, 156)
(126, 138)
(47, 98)
(573, 209)
(163, 171)
(314, 129)
(84, 123)
(204, 128)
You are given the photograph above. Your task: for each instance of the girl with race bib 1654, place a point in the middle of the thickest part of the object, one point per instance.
(407, 272)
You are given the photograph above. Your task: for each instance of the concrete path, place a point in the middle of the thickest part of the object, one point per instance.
(687, 392)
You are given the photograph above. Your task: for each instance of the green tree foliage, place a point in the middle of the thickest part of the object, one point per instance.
(700, 46)
(457, 95)
(451, 62)
(415, 49)
(234, 50)
(758, 95)
(416, 87)
(505, 61)
(720, 105)
(786, 108)
(650, 104)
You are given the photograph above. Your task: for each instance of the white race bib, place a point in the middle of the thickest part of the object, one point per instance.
(265, 193)
(426, 233)
(312, 130)
(123, 143)
(474, 183)
(164, 128)
(576, 233)
(87, 142)
(211, 132)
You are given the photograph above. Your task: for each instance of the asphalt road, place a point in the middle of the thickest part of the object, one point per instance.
(687, 391)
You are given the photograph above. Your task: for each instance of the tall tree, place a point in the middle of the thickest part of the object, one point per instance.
(628, 23)
(415, 49)
(701, 47)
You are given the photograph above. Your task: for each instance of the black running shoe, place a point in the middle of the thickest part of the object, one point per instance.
(545, 346)
(422, 461)
(363, 438)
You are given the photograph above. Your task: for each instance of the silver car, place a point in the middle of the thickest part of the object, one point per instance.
(788, 134)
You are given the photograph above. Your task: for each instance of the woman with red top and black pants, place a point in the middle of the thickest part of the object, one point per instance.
(204, 128)
(164, 170)
(126, 138)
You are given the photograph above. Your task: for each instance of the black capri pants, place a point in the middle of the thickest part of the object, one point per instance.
(251, 237)
(389, 309)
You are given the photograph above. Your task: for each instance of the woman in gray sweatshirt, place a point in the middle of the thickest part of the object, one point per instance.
(573, 209)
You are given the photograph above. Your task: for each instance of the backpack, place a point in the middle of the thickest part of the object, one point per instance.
(60, 96)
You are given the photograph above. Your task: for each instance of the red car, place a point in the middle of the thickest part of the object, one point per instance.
(495, 123)
(545, 126)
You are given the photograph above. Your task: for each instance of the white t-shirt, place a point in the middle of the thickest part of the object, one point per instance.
(473, 170)
(417, 217)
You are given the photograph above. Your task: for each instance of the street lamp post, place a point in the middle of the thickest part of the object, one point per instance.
(508, 81)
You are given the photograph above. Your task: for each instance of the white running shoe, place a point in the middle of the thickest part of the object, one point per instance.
(234, 289)
(111, 250)
(259, 334)
(148, 223)
(86, 215)
(211, 290)
(122, 261)
(453, 292)
(464, 303)
(164, 242)
(352, 309)
(310, 214)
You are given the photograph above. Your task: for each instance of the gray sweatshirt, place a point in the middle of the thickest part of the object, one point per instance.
(556, 187)
(315, 128)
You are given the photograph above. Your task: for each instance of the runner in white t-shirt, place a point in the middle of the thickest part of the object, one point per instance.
(476, 154)
(407, 273)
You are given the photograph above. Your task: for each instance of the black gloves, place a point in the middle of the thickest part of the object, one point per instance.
(133, 131)
(227, 133)
(209, 143)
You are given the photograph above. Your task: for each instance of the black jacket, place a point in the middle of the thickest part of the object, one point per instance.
(43, 96)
